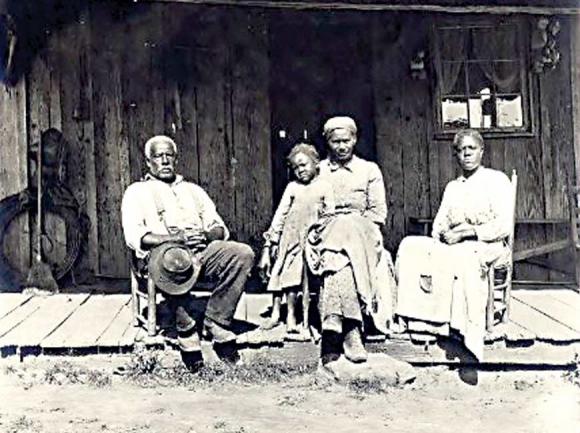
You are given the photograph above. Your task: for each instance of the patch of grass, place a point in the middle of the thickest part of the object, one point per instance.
(524, 385)
(10, 369)
(146, 369)
(64, 373)
(291, 399)
(363, 386)
(24, 424)
(223, 427)
(573, 376)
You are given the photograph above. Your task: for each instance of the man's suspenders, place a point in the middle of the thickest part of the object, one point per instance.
(159, 205)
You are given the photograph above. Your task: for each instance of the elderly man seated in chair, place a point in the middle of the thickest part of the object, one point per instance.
(175, 222)
(443, 279)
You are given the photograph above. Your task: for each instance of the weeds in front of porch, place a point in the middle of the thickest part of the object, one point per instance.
(60, 373)
(573, 375)
(148, 368)
(65, 373)
(23, 424)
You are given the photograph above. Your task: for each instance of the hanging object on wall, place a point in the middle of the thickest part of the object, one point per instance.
(418, 71)
(48, 160)
(545, 51)
(8, 40)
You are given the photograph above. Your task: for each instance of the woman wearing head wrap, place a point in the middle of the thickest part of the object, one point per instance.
(347, 249)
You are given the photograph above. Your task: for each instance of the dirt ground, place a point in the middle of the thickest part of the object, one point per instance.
(82, 394)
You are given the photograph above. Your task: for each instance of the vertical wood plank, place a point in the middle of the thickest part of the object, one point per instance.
(216, 157)
(181, 83)
(78, 129)
(575, 85)
(416, 165)
(251, 123)
(388, 99)
(13, 169)
(142, 82)
(111, 144)
(556, 129)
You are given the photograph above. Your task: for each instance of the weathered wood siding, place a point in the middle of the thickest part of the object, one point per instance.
(417, 165)
(206, 76)
(118, 76)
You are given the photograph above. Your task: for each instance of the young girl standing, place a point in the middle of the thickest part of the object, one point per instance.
(305, 201)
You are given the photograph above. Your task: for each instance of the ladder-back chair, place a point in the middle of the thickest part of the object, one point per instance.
(143, 289)
(500, 275)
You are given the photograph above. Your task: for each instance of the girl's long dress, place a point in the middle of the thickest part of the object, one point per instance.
(301, 206)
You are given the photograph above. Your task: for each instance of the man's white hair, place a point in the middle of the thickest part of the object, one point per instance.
(158, 139)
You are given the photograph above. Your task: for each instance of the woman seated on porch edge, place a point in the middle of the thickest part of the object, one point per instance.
(443, 280)
(347, 249)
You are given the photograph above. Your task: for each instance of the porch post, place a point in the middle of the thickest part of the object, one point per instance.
(575, 82)
(14, 166)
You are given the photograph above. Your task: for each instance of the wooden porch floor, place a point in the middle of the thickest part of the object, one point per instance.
(544, 327)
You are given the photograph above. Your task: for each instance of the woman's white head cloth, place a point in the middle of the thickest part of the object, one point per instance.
(340, 122)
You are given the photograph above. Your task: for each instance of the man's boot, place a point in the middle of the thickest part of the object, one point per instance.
(217, 332)
(331, 343)
(354, 349)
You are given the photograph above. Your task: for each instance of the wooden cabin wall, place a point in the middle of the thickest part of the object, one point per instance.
(208, 88)
(118, 76)
(417, 165)
(202, 74)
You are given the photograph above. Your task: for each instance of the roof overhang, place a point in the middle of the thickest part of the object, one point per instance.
(536, 7)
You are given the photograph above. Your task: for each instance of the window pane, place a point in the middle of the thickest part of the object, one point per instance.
(476, 115)
(453, 78)
(482, 75)
(509, 111)
(455, 113)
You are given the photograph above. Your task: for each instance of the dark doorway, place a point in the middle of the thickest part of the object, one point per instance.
(320, 67)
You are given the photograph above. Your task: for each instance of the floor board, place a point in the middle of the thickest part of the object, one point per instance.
(19, 315)
(552, 305)
(10, 301)
(545, 328)
(88, 322)
(52, 313)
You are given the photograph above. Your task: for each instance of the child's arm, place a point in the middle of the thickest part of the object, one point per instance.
(272, 236)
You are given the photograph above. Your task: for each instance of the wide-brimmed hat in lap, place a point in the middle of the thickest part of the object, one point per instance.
(173, 268)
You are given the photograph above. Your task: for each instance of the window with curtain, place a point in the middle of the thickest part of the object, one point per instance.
(482, 78)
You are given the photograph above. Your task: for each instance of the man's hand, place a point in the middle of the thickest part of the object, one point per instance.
(194, 239)
(151, 240)
(265, 264)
